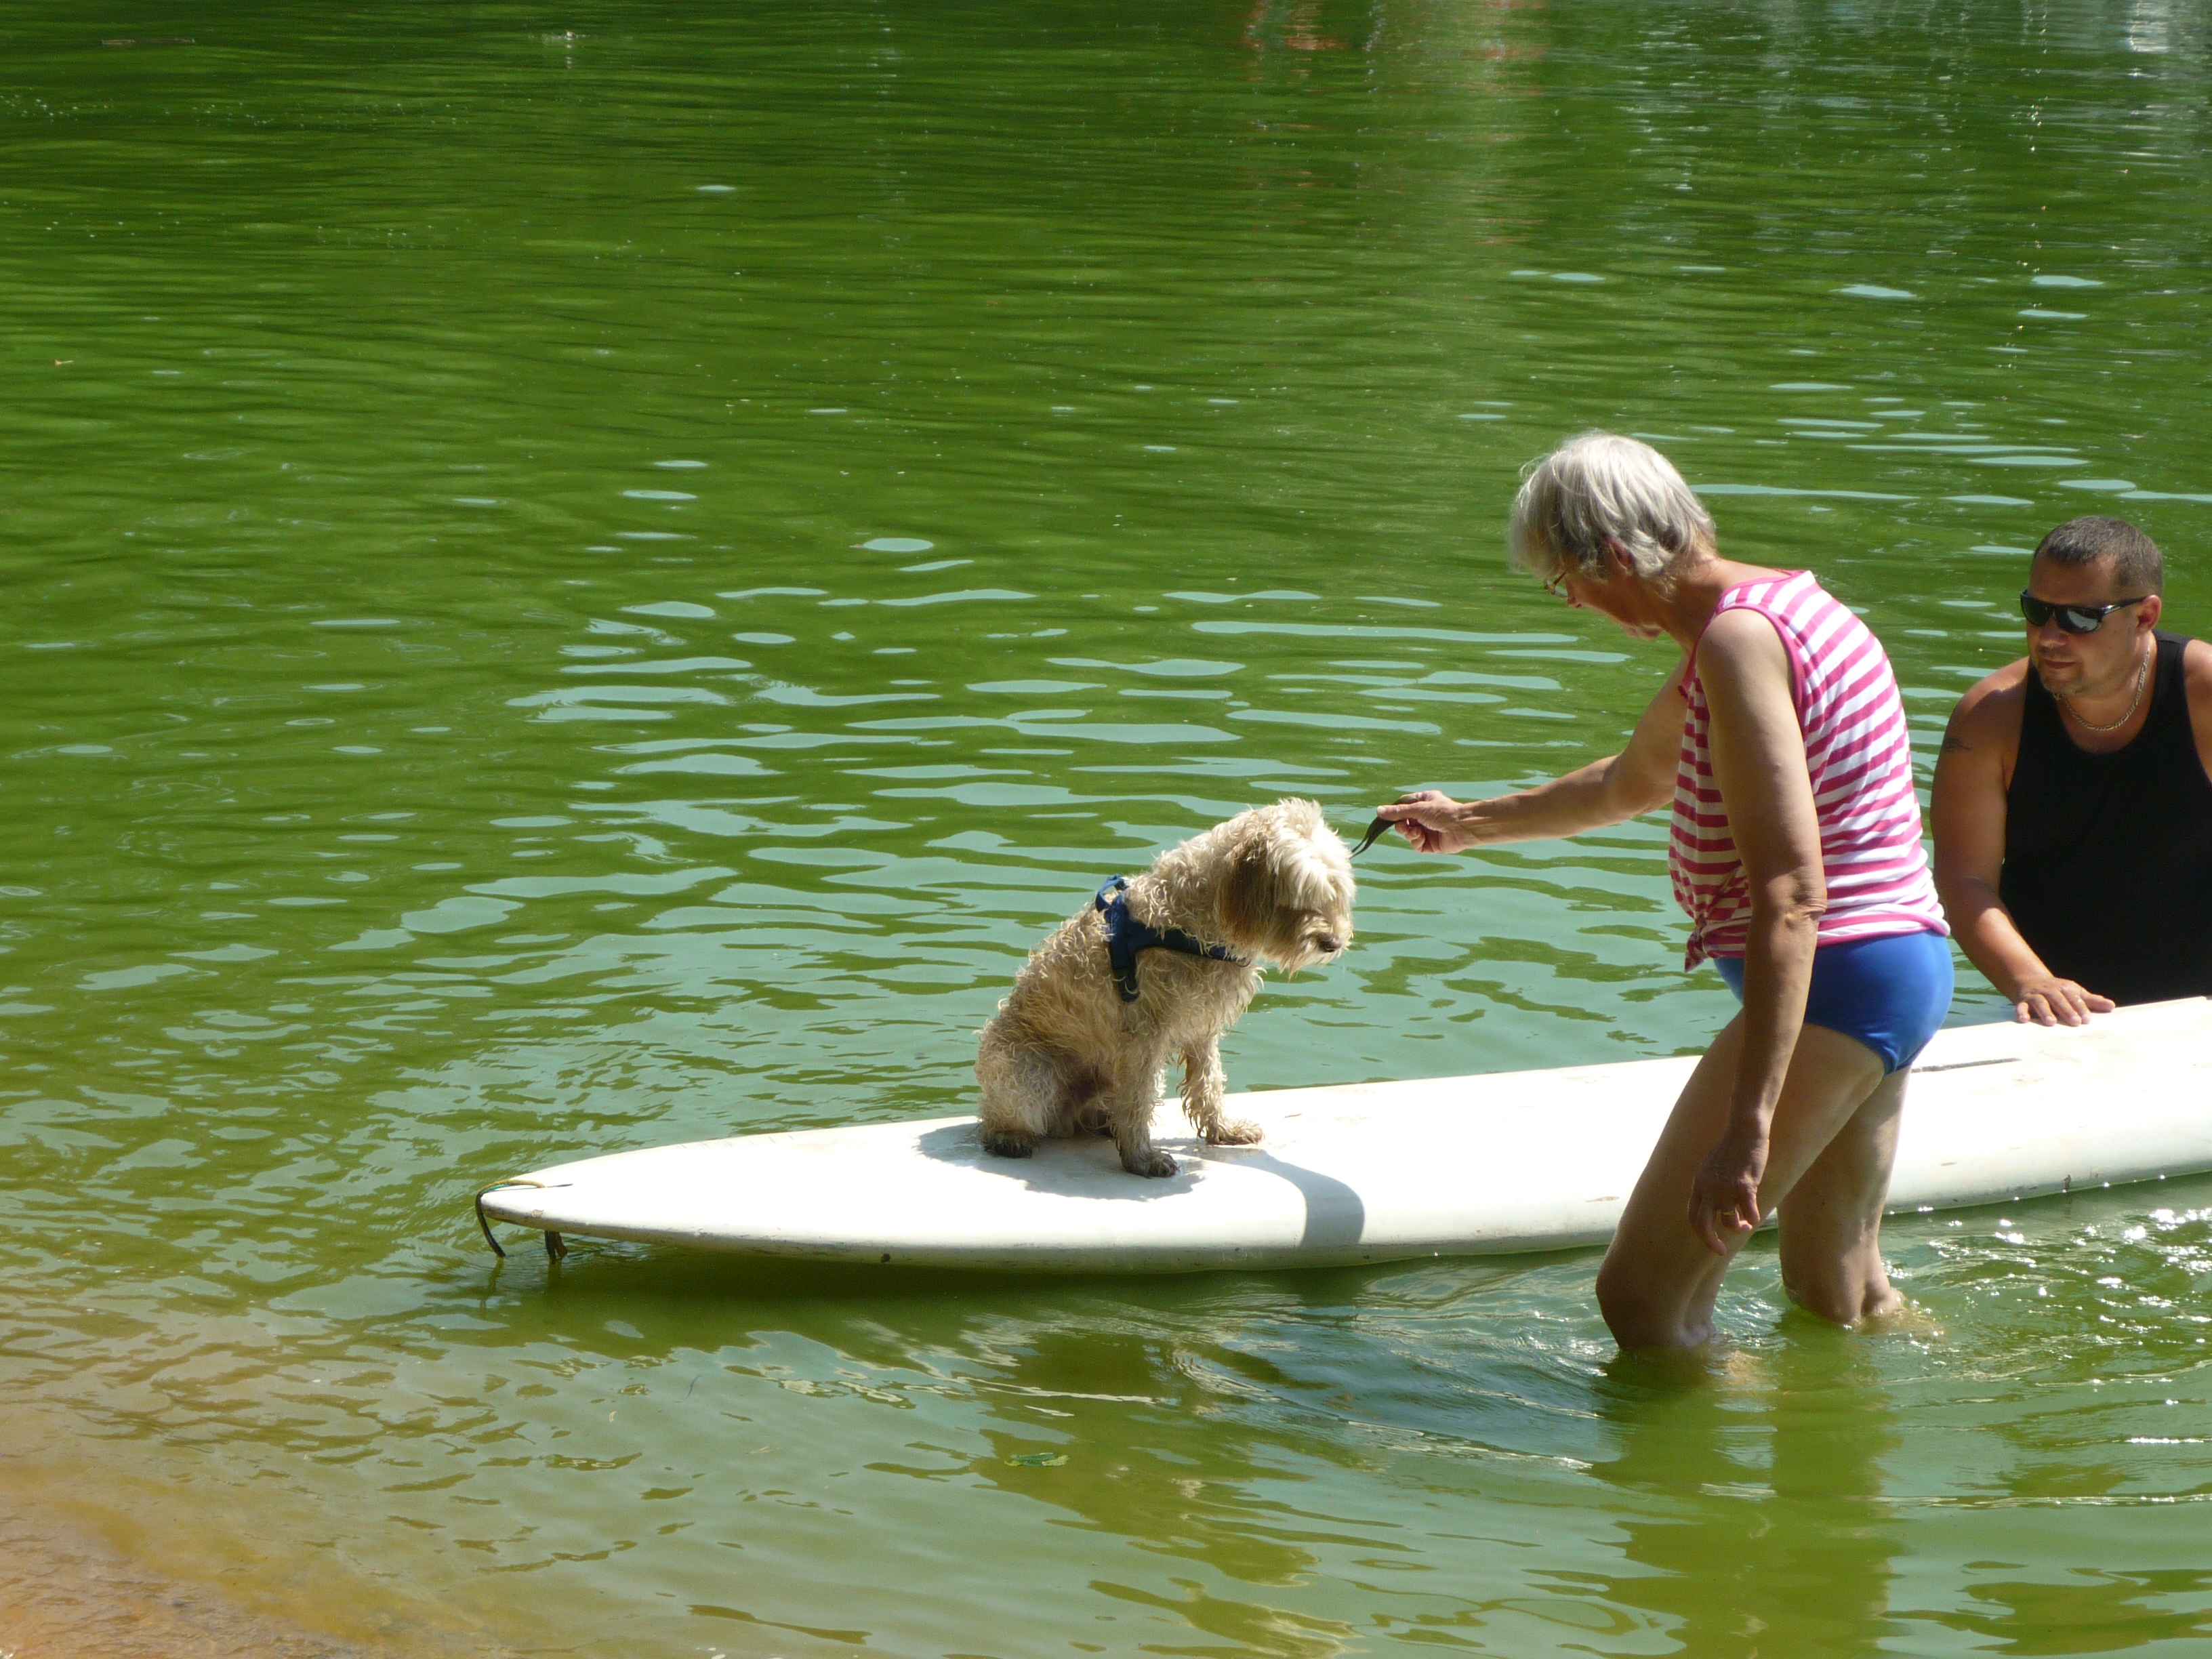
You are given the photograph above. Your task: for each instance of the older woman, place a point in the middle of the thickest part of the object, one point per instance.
(1781, 743)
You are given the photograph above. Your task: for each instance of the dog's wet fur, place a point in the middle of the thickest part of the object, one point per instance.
(1064, 1055)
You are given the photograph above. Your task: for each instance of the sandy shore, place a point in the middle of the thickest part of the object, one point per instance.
(67, 1594)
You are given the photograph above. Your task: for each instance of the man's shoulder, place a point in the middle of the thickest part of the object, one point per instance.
(2197, 689)
(2196, 665)
(1994, 701)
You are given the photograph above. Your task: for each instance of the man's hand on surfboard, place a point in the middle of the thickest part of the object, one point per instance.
(1724, 1196)
(2050, 1000)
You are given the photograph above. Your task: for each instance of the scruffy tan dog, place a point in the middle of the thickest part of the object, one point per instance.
(1155, 971)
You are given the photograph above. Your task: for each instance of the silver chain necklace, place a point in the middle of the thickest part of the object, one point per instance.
(2142, 679)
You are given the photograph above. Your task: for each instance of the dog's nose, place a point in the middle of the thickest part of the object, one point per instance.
(1329, 943)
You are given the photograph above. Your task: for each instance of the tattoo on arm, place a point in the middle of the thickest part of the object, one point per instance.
(1954, 743)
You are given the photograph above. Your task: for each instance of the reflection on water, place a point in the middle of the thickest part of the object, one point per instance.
(1759, 1479)
(590, 582)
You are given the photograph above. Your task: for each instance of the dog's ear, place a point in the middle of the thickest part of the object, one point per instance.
(1248, 897)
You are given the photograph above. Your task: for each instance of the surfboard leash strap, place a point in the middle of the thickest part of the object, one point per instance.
(556, 1246)
(1126, 936)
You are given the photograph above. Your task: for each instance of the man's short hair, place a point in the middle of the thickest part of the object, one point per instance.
(2136, 566)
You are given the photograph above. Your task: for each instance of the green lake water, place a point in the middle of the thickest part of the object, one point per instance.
(582, 577)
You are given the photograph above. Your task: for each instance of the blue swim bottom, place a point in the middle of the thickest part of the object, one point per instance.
(1891, 992)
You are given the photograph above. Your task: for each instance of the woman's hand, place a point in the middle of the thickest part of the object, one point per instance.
(1724, 1196)
(1430, 819)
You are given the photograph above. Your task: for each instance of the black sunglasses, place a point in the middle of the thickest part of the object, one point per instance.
(2072, 619)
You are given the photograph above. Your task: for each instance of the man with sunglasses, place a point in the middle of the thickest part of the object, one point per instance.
(2073, 799)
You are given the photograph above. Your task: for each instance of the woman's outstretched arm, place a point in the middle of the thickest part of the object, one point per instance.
(1639, 778)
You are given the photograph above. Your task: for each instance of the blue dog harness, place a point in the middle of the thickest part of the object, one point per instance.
(1126, 936)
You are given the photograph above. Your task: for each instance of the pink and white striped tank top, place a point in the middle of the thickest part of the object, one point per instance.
(1860, 758)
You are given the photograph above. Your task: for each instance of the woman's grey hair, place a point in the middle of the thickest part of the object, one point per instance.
(1602, 488)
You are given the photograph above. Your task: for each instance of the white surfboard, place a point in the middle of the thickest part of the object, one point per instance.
(1481, 1165)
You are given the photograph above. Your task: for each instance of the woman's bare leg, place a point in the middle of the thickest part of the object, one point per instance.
(1658, 1282)
(1831, 1218)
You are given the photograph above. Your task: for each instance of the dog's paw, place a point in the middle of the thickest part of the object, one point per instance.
(1234, 1132)
(1151, 1162)
(1001, 1143)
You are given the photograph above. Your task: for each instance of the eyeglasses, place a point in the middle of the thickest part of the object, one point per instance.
(2072, 619)
(1556, 584)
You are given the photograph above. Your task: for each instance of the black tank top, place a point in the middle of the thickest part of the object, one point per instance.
(2108, 858)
